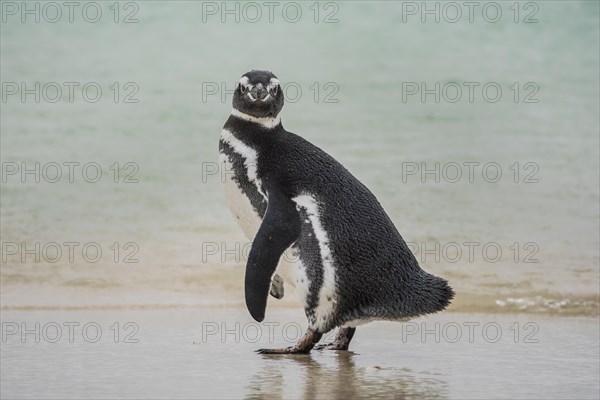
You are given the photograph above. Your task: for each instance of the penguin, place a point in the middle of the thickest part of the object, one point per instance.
(314, 226)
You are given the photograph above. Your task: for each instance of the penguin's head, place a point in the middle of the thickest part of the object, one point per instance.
(258, 94)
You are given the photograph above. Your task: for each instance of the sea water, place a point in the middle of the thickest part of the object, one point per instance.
(480, 138)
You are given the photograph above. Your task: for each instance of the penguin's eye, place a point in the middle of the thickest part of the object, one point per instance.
(275, 90)
(242, 88)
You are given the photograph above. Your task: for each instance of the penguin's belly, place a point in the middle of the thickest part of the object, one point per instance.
(293, 271)
(239, 185)
(248, 203)
(238, 202)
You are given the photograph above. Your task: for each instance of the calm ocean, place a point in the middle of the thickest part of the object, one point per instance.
(479, 134)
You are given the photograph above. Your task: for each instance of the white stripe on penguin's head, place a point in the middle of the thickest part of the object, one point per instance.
(244, 80)
(273, 83)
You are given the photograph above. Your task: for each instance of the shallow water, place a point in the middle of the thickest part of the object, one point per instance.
(171, 221)
(202, 353)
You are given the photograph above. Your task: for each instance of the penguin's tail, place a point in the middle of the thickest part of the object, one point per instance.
(434, 294)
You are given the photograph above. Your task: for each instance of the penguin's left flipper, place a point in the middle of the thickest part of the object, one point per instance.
(277, 287)
(280, 228)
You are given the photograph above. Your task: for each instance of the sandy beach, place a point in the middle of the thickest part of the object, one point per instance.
(209, 353)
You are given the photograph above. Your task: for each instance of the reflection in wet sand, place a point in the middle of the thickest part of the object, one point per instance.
(335, 375)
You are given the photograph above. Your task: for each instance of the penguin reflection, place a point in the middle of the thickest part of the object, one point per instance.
(337, 376)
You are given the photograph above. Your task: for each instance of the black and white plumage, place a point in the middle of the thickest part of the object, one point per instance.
(315, 225)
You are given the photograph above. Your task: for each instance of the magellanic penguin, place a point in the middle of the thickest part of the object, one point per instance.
(315, 225)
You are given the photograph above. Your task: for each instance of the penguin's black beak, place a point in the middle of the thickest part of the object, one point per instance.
(259, 92)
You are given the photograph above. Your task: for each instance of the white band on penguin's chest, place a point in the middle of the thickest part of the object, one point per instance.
(248, 154)
(265, 122)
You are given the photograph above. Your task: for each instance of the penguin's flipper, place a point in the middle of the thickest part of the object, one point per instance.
(280, 228)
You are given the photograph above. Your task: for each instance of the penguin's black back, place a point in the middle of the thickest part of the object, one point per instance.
(377, 276)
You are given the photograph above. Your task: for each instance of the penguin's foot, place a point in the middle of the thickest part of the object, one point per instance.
(304, 345)
(341, 342)
(332, 346)
(287, 350)
(277, 287)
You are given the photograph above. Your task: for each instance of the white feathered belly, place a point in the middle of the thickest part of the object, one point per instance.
(289, 268)
(239, 204)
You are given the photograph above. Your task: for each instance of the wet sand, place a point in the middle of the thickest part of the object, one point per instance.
(209, 353)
